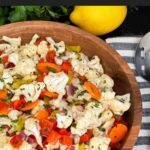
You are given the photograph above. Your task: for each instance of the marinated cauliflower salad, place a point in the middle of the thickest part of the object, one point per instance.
(52, 96)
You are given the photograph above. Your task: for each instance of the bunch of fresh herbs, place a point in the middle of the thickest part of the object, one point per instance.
(21, 13)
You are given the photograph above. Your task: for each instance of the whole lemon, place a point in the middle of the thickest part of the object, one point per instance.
(98, 20)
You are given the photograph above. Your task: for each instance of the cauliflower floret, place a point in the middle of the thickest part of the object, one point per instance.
(5, 121)
(58, 61)
(71, 55)
(42, 48)
(14, 114)
(25, 66)
(108, 95)
(92, 74)
(28, 50)
(12, 41)
(64, 121)
(120, 104)
(91, 112)
(40, 106)
(106, 115)
(80, 65)
(58, 47)
(108, 125)
(4, 140)
(103, 82)
(32, 128)
(58, 103)
(34, 38)
(56, 82)
(30, 91)
(14, 58)
(95, 65)
(8, 79)
(99, 142)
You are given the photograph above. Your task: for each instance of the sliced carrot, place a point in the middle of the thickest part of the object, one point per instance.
(3, 93)
(30, 106)
(118, 132)
(46, 67)
(51, 94)
(92, 90)
(42, 114)
(4, 108)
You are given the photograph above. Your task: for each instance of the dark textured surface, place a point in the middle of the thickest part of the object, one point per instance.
(137, 22)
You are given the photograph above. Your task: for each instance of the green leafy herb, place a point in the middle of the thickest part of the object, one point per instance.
(81, 93)
(1, 79)
(51, 69)
(3, 115)
(56, 47)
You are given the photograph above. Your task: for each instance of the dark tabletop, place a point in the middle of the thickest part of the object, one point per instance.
(137, 22)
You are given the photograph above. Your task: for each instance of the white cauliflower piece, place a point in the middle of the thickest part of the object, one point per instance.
(106, 115)
(25, 66)
(43, 48)
(32, 128)
(28, 50)
(12, 41)
(103, 82)
(94, 64)
(14, 58)
(58, 60)
(108, 95)
(71, 55)
(14, 114)
(34, 38)
(108, 125)
(8, 79)
(99, 143)
(5, 121)
(58, 47)
(4, 142)
(30, 91)
(58, 103)
(83, 122)
(56, 82)
(80, 65)
(64, 121)
(120, 104)
(92, 74)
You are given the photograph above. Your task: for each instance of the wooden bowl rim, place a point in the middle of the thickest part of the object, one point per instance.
(75, 30)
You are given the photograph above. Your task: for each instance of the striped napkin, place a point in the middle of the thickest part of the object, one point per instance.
(126, 47)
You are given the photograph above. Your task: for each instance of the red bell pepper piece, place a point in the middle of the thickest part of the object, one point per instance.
(53, 137)
(66, 140)
(63, 131)
(50, 57)
(86, 137)
(66, 66)
(16, 141)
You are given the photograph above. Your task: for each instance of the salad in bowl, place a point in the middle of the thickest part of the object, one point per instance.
(52, 96)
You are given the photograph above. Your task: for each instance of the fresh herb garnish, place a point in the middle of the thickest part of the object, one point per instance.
(81, 93)
(1, 79)
(3, 115)
(51, 69)
(56, 47)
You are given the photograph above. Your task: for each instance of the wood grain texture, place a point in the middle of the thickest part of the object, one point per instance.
(113, 64)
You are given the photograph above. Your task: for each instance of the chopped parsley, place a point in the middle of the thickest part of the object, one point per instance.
(1, 79)
(81, 93)
(51, 69)
(3, 115)
(56, 47)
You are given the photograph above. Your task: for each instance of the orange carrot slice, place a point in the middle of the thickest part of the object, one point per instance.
(42, 114)
(46, 67)
(118, 132)
(92, 90)
(4, 108)
(51, 94)
(3, 93)
(30, 106)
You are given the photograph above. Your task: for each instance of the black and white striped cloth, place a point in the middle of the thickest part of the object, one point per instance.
(126, 47)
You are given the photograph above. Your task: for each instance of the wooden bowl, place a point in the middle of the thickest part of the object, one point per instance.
(113, 64)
